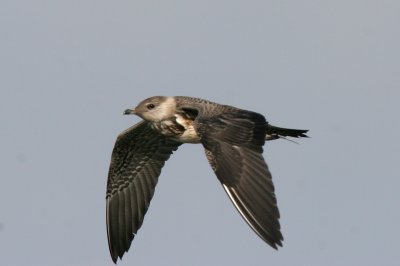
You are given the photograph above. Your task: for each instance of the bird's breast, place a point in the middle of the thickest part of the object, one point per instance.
(178, 128)
(189, 135)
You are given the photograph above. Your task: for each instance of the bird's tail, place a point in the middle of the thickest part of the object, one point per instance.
(274, 132)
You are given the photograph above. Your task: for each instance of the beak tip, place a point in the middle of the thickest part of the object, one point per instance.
(129, 111)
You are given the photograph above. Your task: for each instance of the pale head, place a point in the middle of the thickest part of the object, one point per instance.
(154, 109)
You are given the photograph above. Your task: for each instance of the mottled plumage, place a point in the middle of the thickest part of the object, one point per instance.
(233, 140)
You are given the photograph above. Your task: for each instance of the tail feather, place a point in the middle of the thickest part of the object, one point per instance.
(274, 132)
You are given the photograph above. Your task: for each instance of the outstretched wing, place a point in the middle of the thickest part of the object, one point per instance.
(233, 144)
(138, 156)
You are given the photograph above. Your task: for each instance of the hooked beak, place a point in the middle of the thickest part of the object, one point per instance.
(129, 112)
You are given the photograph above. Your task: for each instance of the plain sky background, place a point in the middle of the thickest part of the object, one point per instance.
(68, 69)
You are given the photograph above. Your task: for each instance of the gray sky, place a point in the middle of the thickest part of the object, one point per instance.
(69, 68)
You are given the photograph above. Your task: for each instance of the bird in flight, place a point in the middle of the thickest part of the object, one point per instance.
(233, 140)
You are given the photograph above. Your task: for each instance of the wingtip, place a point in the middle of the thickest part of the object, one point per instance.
(115, 257)
(277, 244)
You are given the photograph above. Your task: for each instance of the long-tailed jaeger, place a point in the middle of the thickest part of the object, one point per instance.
(233, 140)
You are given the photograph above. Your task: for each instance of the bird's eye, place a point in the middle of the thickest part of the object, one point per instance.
(150, 106)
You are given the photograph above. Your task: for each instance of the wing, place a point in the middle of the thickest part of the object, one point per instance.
(233, 145)
(138, 156)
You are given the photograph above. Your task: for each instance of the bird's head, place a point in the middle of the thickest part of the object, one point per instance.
(154, 109)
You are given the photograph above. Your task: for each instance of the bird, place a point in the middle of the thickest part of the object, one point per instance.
(233, 141)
